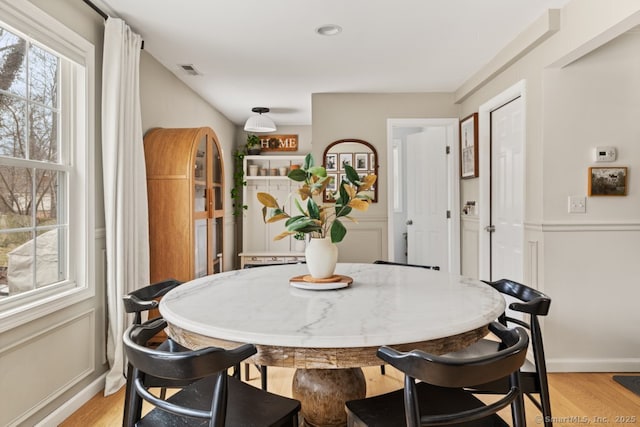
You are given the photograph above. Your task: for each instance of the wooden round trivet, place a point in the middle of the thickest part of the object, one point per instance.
(336, 278)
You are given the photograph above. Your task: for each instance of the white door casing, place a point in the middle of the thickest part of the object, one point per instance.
(502, 152)
(426, 193)
(450, 133)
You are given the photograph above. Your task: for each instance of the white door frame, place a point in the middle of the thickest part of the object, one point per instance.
(484, 139)
(453, 184)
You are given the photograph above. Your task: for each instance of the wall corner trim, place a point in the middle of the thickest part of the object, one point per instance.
(539, 31)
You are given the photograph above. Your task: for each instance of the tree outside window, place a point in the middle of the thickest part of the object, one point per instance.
(32, 175)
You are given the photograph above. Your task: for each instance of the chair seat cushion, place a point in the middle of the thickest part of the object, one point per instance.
(247, 406)
(528, 375)
(388, 409)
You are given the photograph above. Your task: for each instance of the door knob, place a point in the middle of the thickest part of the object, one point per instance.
(490, 228)
(409, 222)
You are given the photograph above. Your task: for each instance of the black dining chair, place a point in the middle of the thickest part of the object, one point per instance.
(213, 398)
(533, 375)
(440, 397)
(430, 267)
(140, 301)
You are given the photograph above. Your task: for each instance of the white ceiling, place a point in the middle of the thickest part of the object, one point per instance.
(266, 53)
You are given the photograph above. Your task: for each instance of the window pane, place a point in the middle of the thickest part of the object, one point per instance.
(13, 113)
(43, 135)
(43, 77)
(49, 246)
(46, 202)
(12, 70)
(15, 197)
(13, 263)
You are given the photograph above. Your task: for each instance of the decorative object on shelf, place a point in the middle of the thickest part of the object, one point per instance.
(253, 170)
(469, 146)
(357, 153)
(608, 181)
(279, 142)
(319, 222)
(258, 122)
(253, 144)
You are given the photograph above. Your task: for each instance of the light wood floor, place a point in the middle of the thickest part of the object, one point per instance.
(576, 399)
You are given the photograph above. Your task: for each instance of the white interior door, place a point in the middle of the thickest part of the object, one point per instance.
(507, 191)
(427, 198)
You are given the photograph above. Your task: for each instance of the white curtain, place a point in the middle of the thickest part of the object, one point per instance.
(125, 188)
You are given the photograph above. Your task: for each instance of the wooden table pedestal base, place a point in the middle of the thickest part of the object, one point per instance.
(323, 392)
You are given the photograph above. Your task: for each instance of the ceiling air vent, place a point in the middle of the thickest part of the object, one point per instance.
(189, 69)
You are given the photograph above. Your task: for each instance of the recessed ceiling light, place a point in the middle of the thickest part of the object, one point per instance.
(329, 30)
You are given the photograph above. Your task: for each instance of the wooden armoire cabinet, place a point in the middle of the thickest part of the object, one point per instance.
(185, 184)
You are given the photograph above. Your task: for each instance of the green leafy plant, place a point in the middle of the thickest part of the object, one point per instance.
(238, 182)
(253, 142)
(314, 219)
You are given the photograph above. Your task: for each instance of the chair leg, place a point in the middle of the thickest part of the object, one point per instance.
(517, 406)
(382, 371)
(246, 372)
(263, 377)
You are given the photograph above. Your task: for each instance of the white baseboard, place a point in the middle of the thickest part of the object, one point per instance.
(70, 406)
(593, 365)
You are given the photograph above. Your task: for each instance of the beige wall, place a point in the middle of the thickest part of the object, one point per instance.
(364, 116)
(581, 261)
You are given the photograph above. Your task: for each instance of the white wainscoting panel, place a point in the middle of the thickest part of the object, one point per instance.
(469, 248)
(43, 381)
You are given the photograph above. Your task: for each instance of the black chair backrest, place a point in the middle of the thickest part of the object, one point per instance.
(532, 301)
(145, 299)
(189, 365)
(446, 371)
(431, 267)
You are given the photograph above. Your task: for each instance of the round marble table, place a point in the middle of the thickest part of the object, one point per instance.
(328, 335)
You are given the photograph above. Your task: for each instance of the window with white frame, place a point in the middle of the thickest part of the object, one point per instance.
(46, 208)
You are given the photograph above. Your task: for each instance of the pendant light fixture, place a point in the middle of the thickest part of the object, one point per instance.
(258, 122)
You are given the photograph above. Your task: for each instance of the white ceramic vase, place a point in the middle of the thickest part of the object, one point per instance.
(321, 257)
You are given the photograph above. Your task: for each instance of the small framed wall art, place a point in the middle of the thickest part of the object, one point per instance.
(331, 162)
(469, 146)
(361, 161)
(608, 181)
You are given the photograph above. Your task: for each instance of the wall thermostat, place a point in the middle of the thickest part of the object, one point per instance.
(605, 154)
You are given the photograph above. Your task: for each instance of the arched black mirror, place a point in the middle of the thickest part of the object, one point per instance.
(358, 154)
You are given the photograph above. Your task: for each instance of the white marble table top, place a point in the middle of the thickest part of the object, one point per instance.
(384, 305)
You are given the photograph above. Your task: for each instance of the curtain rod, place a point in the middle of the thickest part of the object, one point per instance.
(104, 15)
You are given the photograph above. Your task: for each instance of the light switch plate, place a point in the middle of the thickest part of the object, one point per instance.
(577, 204)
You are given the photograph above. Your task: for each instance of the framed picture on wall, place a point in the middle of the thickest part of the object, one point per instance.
(469, 146)
(331, 162)
(607, 181)
(346, 159)
(361, 161)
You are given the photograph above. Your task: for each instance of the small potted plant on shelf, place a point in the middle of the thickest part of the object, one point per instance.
(253, 144)
(322, 223)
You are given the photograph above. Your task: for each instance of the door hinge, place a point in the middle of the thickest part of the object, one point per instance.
(448, 150)
(448, 214)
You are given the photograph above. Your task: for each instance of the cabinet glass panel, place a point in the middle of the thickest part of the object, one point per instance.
(200, 176)
(217, 245)
(200, 258)
(200, 197)
(217, 197)
(217, 162)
